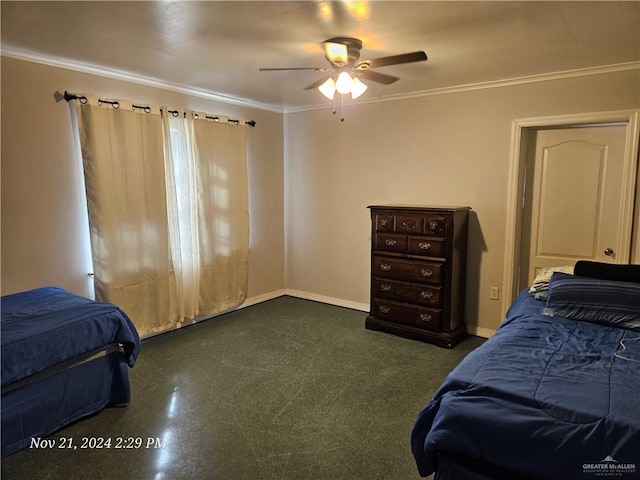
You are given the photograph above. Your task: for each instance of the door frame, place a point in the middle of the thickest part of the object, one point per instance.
(520, 132)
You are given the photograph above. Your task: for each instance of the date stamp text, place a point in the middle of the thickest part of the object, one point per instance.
(95, 443)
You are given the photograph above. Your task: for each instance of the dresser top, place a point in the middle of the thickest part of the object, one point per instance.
(418, 207)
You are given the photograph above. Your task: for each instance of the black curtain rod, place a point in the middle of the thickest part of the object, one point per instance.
(72, 96)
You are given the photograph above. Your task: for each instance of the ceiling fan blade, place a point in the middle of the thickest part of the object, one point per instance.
(316, 84)
(315, 69)
(392, 60)
(377, 77)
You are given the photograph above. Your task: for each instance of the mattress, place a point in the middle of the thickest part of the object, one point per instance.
(49, 325)
(544, 398)
(64, 357)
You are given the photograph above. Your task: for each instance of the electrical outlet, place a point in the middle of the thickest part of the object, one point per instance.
(494, 293)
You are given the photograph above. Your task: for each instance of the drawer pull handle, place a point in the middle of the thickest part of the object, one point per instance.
(424, 245)
(426, 294)
(384, 309)
(384, 222)
(407, 226)
(390, 242)
(433, 226)
(425, 317)
(385, 287)
(426, 272)
(385, 267)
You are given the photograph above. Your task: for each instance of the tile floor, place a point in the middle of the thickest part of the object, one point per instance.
(287, 389)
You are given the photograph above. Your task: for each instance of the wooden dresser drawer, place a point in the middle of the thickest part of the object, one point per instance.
(409, 224)
(384, 222)
(407, 292)
(411, 271)
(391, 243)
(425, 318)
(427, 246)
(435, 225)
(410, 244)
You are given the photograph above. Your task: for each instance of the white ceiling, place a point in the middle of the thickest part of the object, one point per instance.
(218, 46)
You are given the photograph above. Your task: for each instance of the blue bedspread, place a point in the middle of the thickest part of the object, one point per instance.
(49, 325)
(545, 397)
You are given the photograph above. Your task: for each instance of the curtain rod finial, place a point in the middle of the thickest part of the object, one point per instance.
(72, 96)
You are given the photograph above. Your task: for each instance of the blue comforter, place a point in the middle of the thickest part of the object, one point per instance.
(545, 397)
(49, 325)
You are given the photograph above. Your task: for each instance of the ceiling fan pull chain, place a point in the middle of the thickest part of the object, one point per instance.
(342, 108)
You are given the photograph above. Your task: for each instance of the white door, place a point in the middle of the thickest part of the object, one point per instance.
(574, 202)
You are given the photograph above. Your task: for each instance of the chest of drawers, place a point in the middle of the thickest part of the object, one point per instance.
(418, 272)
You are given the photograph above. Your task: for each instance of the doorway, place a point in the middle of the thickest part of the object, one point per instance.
(572, 198)
(525, 135)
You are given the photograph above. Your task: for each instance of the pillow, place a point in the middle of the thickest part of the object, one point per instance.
(608, 271)
(540, 284)
(593, 300)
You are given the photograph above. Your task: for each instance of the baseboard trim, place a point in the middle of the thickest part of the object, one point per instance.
(363, 307)
(263, 297)
(338, 302)
(480, 331)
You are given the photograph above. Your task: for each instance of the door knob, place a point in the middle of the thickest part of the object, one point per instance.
(609, 252)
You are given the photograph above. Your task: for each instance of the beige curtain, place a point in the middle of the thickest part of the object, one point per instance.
(223, 212)
(123, 159)
(168, 212)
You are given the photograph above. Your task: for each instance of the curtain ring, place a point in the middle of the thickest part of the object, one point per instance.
(145, 108)
(115, 104)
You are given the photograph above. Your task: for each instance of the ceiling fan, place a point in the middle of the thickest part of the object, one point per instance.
(343, 54)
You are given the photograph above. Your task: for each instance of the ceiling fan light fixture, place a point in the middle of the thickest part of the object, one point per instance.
(357, 88)
(344, 83)
(328, 88)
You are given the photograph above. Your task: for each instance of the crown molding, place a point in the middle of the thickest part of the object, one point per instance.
(29, 56)
(132, 78)
(544, 77)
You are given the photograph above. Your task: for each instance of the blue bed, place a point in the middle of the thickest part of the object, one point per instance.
(547, 397)
(63, 357)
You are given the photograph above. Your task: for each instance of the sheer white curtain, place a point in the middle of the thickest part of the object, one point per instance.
(168, 212)
(183, 218)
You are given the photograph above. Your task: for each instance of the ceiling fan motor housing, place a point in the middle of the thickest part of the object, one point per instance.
(353, 45)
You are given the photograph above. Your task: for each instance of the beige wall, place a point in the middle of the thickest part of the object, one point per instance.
(310, 179)
(44, 230)
(448, 149)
